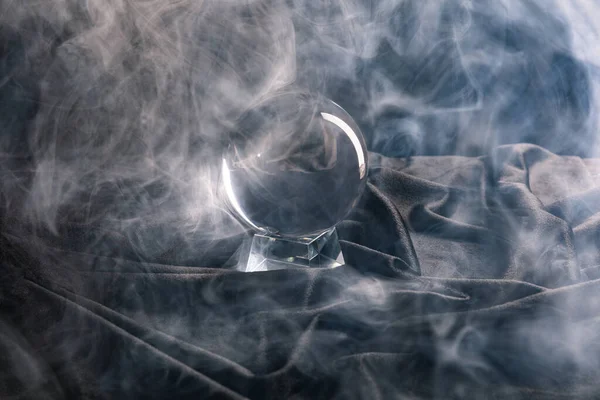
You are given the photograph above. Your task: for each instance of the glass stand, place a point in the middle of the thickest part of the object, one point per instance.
(270, 252)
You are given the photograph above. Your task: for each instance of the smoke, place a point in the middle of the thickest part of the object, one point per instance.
(132, 100)
(114, 113)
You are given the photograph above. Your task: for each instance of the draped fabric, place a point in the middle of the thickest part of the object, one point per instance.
(465, 278)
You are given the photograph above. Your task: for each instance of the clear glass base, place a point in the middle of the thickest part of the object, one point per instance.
(270, 253)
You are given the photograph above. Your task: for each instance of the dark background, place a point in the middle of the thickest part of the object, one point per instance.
(471, 260)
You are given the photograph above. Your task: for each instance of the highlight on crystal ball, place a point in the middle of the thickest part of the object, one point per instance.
(296, 165)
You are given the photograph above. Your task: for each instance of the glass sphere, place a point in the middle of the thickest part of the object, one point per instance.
(296, 165)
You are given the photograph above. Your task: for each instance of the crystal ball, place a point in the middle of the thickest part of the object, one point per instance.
(296, 165)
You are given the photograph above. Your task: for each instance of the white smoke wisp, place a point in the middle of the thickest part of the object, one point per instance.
(134, 100)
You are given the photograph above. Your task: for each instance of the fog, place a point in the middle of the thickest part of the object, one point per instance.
(114, 113)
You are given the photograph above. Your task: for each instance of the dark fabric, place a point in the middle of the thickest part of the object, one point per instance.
(466, 278)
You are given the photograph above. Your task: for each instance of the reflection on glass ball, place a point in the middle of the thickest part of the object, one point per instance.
(296, 165)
